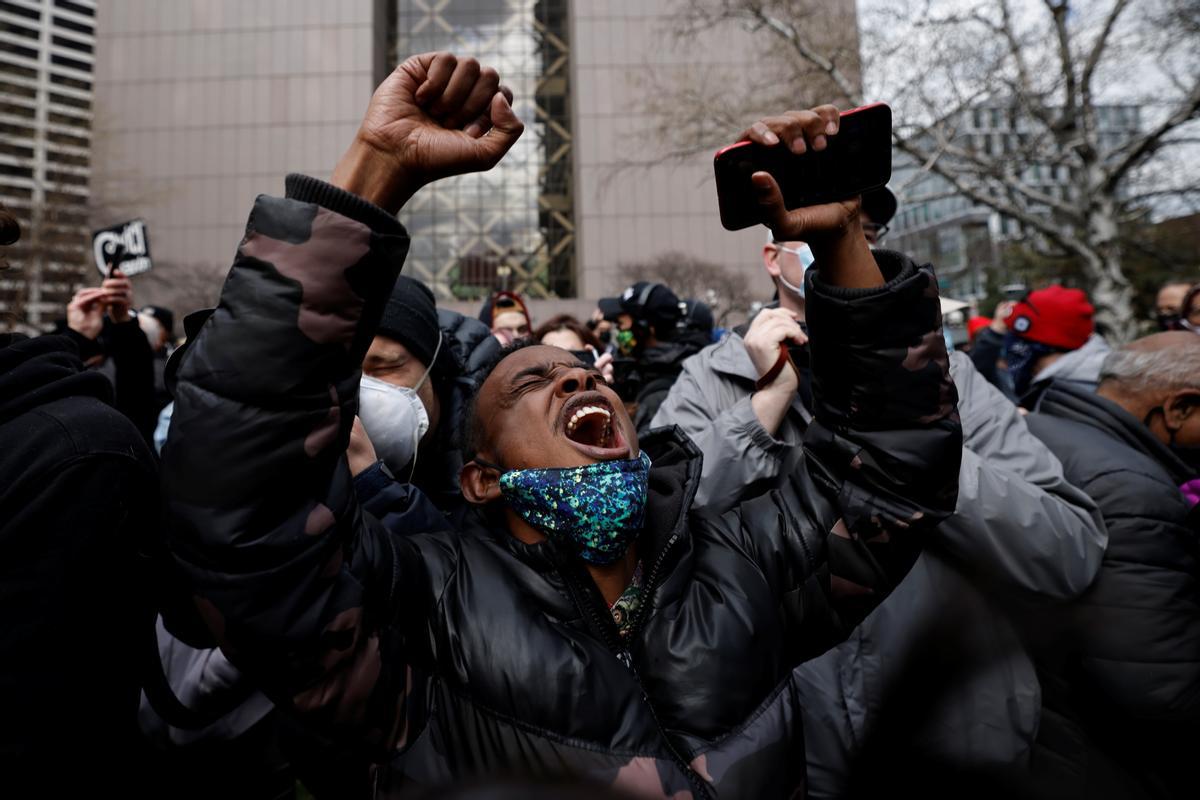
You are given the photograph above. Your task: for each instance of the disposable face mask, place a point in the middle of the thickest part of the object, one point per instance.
(597, 510)
(626, 342)
(1022, 355)
(805, 255)
(394, 418)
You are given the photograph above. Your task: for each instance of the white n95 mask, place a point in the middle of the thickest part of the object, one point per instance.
(394, 418)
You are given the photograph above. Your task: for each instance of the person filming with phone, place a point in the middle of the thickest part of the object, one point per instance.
(585, 616)
(1020, 530)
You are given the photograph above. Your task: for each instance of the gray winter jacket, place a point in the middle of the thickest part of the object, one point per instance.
(1019, 528)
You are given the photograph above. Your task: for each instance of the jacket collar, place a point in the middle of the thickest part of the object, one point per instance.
(1069, 401)
(1081, 366)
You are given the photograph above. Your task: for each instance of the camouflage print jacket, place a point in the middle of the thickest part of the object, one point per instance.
(468, 653)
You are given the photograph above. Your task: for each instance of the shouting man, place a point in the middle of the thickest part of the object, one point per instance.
(583, 619)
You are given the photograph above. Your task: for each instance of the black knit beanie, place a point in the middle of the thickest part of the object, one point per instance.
(410, 317)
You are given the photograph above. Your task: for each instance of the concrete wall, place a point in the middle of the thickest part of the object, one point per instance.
(624, 52)
(202, 106)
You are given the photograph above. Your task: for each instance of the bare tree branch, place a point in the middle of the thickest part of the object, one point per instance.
(1097, 51)
(1186, 110)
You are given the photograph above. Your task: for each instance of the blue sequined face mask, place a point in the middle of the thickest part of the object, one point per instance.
(596, 509)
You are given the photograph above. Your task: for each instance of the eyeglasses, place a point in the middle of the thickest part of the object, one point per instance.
(874, 229)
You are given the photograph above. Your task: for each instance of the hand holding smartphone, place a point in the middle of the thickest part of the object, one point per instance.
(855, 159)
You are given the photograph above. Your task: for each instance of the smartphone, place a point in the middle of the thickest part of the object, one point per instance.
(858, 158)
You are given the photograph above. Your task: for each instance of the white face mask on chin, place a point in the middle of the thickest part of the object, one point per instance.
(394, 418)
(805, 256)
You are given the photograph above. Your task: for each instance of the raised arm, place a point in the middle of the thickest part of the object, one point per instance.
(883, 451)
(305, 593)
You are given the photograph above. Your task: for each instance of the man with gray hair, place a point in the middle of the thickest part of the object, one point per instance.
(1120, 667)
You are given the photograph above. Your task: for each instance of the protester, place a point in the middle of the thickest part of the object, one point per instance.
(399, 405)
(566, 332)
(508, 317)
(987, 351)
(1168, 304)
(698, 319)
(651, 332)
(414, 371)
(158, 324)
(570, 334)
(78, 499)
(105, 330)
(975, 326)
(1051, 336)
(622, 636)
(1189, 317)
(1122, 664)
(1018, 529)
(878, 208)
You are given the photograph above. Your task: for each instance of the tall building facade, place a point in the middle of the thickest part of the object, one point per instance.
(200, 106)
(46, 83)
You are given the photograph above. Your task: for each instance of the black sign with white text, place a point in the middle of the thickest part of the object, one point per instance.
(127, 243)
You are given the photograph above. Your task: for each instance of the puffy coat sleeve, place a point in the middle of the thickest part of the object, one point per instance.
(299, 586)
(720, 421)
(882, 457)
(1018, 523)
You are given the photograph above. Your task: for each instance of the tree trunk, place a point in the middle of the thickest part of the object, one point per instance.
(1110, 291)
(1112, 296)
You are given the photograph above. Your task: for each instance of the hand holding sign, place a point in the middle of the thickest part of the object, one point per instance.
(118, 292)
(85, 312)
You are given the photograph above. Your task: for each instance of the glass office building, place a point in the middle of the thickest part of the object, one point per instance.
(514, 226)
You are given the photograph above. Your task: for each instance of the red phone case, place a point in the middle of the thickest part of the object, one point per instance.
(734, 202)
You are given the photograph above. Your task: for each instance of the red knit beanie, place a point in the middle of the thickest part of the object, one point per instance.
(1053, 316)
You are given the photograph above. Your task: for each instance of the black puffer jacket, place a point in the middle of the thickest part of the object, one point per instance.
(657, 369)
(1122, 664)
(78, 501)
(467, 653)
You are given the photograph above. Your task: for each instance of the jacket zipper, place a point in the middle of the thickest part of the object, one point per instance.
(652, 579)
(623, 655)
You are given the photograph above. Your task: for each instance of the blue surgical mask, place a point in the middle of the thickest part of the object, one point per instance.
(597, 510)
(804, 254)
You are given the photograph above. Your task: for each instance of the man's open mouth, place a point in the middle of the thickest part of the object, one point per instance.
(589, 424)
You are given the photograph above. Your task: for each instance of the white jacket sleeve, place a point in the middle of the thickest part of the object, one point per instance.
(1018, 522)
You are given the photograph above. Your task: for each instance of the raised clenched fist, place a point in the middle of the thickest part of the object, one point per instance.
(434, 116)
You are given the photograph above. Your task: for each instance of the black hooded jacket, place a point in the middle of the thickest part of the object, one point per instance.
(78, 494)
(1122, 663)
(465, 653)
(657, 369)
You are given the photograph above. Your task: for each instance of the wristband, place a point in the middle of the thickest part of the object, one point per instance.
(776, 368)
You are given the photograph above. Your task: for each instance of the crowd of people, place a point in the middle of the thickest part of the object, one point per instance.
(346, 540)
